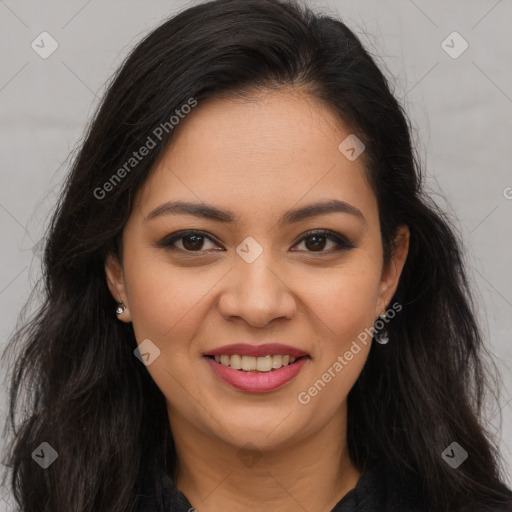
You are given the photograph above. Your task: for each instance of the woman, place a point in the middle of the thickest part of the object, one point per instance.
(250, 303)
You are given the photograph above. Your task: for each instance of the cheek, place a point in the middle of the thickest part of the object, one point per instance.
(165, 300)
(342, 307)
(342, 304)
(165, 307)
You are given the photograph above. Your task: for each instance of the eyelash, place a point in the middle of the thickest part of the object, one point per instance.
(341, 243)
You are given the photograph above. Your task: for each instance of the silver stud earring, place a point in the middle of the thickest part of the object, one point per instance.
(120, 308)
(381, 333)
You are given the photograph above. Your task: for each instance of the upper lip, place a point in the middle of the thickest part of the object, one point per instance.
(245, 349)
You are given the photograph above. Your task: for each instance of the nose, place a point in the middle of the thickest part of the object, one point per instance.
(257, 293)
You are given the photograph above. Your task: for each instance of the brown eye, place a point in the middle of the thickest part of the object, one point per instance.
(194, 241)
(316, 242)
(191, 241)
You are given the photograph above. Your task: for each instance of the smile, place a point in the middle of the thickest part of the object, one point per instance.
(256, 374)
(260, 364)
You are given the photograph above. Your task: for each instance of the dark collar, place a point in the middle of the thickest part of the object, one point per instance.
(379, 489)
(384, 489)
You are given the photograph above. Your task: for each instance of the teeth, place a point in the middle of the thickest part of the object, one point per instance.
(277, 361)
(251, 364)
(235, 362)
(264, 364)
(248, 363)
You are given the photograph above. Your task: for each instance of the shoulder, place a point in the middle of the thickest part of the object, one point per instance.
(383, 488)
(172, 500)
(401, 489)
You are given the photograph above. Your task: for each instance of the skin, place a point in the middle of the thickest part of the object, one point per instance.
(258, 157)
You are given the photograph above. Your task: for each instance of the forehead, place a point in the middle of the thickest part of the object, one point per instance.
(267, 148)
(265, 125)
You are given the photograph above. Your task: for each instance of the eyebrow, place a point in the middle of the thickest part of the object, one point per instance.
(210, 212)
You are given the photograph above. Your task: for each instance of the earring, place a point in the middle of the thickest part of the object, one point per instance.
(381, 333)
(120, 308)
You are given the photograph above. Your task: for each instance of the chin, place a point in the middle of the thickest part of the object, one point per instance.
(264, 435)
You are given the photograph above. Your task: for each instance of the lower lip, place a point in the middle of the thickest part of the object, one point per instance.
(257, 382)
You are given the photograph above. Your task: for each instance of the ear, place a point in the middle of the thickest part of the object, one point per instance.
(391, 274)
(116, 285)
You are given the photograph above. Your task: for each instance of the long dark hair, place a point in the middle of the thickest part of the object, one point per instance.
(76, 382)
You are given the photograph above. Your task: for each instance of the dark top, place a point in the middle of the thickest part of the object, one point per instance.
(378, 490)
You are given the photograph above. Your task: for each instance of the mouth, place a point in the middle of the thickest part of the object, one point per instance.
(268, 363)
(256, 374)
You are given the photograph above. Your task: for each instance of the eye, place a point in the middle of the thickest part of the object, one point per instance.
(193, 241)
(317, 241)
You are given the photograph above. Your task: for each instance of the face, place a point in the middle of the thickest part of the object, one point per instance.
(312, 281)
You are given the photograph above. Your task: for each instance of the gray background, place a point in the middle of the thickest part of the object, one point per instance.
(460, 109)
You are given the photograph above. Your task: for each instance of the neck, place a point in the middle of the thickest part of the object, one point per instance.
(312, 473)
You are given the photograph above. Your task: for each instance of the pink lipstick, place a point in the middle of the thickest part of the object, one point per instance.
(256, 369)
